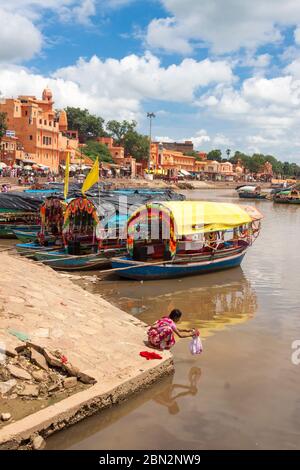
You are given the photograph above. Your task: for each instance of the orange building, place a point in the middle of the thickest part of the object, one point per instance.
(37, 128)
(115, 151)
(11, 150)
(167, 160)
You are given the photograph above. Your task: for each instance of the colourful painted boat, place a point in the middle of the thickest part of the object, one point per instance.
(291, 196)
(175, 239)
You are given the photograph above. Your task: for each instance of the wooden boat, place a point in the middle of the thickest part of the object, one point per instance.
(86, 244)
(251, 192)
(174, 239)
(291, 196)
(18, 212)
(91, 232)
(23, 232)
(62, 261)
(30, 248)
(26, 233)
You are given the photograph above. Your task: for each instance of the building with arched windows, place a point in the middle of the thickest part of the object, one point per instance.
(42, 132)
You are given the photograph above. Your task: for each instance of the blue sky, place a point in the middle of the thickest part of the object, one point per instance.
(223, 73)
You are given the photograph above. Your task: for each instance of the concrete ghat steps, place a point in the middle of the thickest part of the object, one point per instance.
(95, 336)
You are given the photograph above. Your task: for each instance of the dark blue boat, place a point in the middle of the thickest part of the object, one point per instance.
(167, 270)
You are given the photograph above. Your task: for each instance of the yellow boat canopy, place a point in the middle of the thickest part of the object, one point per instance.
(202, 216)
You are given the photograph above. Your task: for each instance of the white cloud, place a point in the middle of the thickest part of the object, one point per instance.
(20, 34)
(19, 38)
(163, 138)
(263, 115)
(225, 28)
(258, 62)
(164, 33)
(221, 140)
(297, 35)
(80, 12)
(293, 68)
(116, 88)
(198, 139)
(139, 78)
(17, 80)
(282, 91)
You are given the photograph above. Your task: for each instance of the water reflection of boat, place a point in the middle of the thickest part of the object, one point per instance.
(221, 299)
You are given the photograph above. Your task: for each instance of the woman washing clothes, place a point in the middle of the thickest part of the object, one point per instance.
(161, 333)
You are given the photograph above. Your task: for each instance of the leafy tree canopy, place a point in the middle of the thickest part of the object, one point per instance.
(88, 125)
(255, 162)
(119, 130)
(94, 149)
(215, 155)
(125, 134)
(136, 145)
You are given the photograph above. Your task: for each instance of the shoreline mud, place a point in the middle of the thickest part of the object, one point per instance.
(96, 339)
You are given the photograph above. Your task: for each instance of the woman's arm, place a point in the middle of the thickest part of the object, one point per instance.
(184, 333)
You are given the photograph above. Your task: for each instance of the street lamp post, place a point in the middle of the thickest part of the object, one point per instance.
(150, 116)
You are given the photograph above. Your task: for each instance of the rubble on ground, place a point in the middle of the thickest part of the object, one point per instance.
(35, 373)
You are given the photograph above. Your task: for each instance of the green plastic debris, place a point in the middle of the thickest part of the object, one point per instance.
(18, 334)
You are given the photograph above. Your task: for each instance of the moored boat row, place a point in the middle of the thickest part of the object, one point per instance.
(160, 239)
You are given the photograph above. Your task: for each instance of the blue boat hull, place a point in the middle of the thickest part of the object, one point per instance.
(61, 261)
(11, 230)
(145, 271)
(252, 196)
(27, 248)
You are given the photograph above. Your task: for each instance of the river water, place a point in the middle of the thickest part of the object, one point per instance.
(243, 392)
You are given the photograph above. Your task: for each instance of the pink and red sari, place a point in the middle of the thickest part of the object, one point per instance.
(161, 334)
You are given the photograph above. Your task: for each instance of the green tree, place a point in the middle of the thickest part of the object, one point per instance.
(215, 155)
(136, 145)
(256, 162)
(125, 134)
(88, 125)
(3, 126)
(94, 149)
(119, 130)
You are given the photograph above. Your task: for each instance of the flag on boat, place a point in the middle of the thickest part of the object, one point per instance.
(67, 171)
(92, 178)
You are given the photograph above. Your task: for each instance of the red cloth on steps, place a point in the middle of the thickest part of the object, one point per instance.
(150, 355)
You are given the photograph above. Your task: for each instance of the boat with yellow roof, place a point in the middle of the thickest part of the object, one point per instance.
(181, 238)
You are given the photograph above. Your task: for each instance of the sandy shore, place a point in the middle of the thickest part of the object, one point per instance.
(100, 340)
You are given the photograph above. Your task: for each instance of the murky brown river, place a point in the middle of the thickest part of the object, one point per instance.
(243, 391)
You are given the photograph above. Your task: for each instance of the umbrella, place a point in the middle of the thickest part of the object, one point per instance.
(27, 167)
(3, 165)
